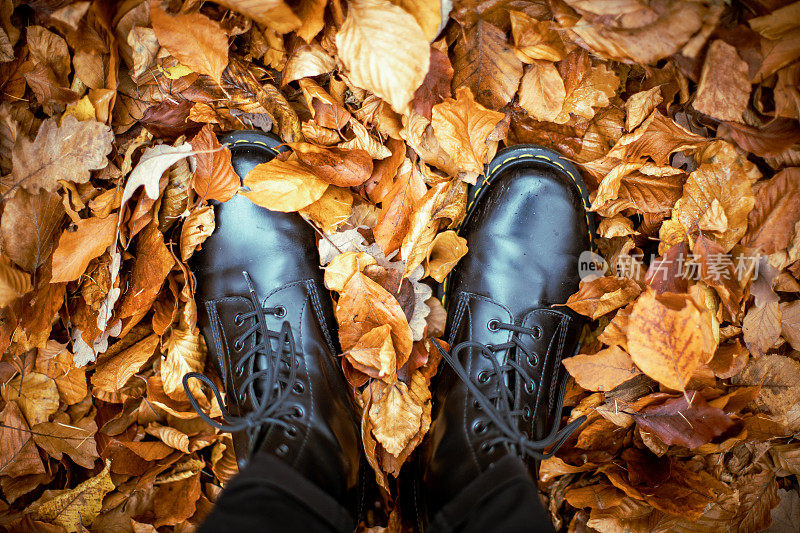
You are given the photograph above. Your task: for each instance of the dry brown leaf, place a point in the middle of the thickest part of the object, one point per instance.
(337, 166)
(384, 49)
(366, 142)
(76, 440)
(76, 248)
(307, 60)
(193, 39)
(542, 92)
(29, 225)
(364, 305)
(770, 224)
(462, 126)
(395, 415)
(666, 339)
(603, 370)
(640, 105)
(170, 436)
(373, 355)
(18, 455)
(186, 352)
(67, 152)
(197, 227)
(13, 282)
(535, 39)
(586, 89)
(339, 271)
(724, 89)
(214, 178)
(600, 296)
(779, 380)
(153, 262)
(283, 185)
(394, 218)
(273, 14)
(444, 253)
(113, 372)
(36, 395)
(331, 210)
(762, 327)
(790, 323)
(484, 63)
(73, 509)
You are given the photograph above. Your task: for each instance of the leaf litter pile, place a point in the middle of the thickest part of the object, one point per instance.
(681, 115)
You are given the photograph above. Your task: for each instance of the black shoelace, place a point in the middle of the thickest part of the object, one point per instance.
(500, 408)
(267, 388)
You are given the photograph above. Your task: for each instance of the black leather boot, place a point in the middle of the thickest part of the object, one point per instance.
(270, 330)
(501, 388)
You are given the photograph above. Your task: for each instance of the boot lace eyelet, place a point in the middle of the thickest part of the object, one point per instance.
(532, 360)
(487, 448)
(492, 324)
(476, 405)
(537, 332)
(298, 412)
(280, 312)
(478, 427)
(530, 387)
(238, 319)
(298, 388)
(238, 345)
(283, 449)
(526, 413)
(290, 432)
(483, 376)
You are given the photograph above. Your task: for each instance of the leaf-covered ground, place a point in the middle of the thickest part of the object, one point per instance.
(682, 116)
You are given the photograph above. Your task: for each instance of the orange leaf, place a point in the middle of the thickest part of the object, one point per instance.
(76, 248)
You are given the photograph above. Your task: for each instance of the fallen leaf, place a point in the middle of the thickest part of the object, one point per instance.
(435, 87)
(29, 225)
(18, 455)
(153, 262)
(214, 178)
(337, 166)
(36, 395)
(445, 251)
(274, 14)
(665, 338)
(778, 377)
(154, 162)
(462, 127)
(331, 210)
(535, 39)
(364, 305)
(170, 436)
(114, 372)
(762, 327)
(640, 105)
(603, 370)
(395, 416)
(600, 296)
(75, 440)
(186, 352)
(193, 39)
(283, 186)
(306, 61)
(384, 49)
(342, 267)
(542, 92)
(394, 218)
(67, 152)
(373, 355)
(197, 227)
(13, 283)
(484, 63)
(770, 225)
(685, 422)
(176, 501)
(724, 89)
(790, 322)
(585, 90)
(76, 248)
(78, 507)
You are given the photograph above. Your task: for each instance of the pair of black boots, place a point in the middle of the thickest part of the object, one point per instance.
(268, 322)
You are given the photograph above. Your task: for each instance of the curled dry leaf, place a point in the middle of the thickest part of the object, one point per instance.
(395, 415)
(445, 251)
(337, 166)
(339, 271)
(114, 372)
(331, 210)
(29, 226)
(76, 440)
(640, 105)
(600, 296)
(214, 178)
(384, 49)
(771, 223)
(373, 356)
(275, 14)
(197, 227)
(18, 455)
(170, 436)
(535, 39)
(283, 185)
(13, 282)
(306, 61)
(542, 92)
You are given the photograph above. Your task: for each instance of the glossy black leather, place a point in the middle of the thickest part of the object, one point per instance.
(278, 251)
(525, 232)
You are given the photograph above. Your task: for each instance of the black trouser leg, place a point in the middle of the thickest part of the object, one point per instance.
(502, 499)
(268, 495)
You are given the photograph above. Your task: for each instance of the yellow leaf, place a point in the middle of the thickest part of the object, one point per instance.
(428, 14)
(542, 92)
(394, 414)
(374, 354)
(273, 14)
(640, 105)
(283, 186)
(13, 282)
(36, 394)
(666, 339)
(384, 49)
(594, 89)
(186, 352)
(331, 210)
(76, 248)
(343, 266)
(193, 39)
(83, 109)
(76, 508)
(169, 436)
(601, 371)
(445, 251)
(535, 39)
(197, 227)
(462, 127)
(176, 72)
